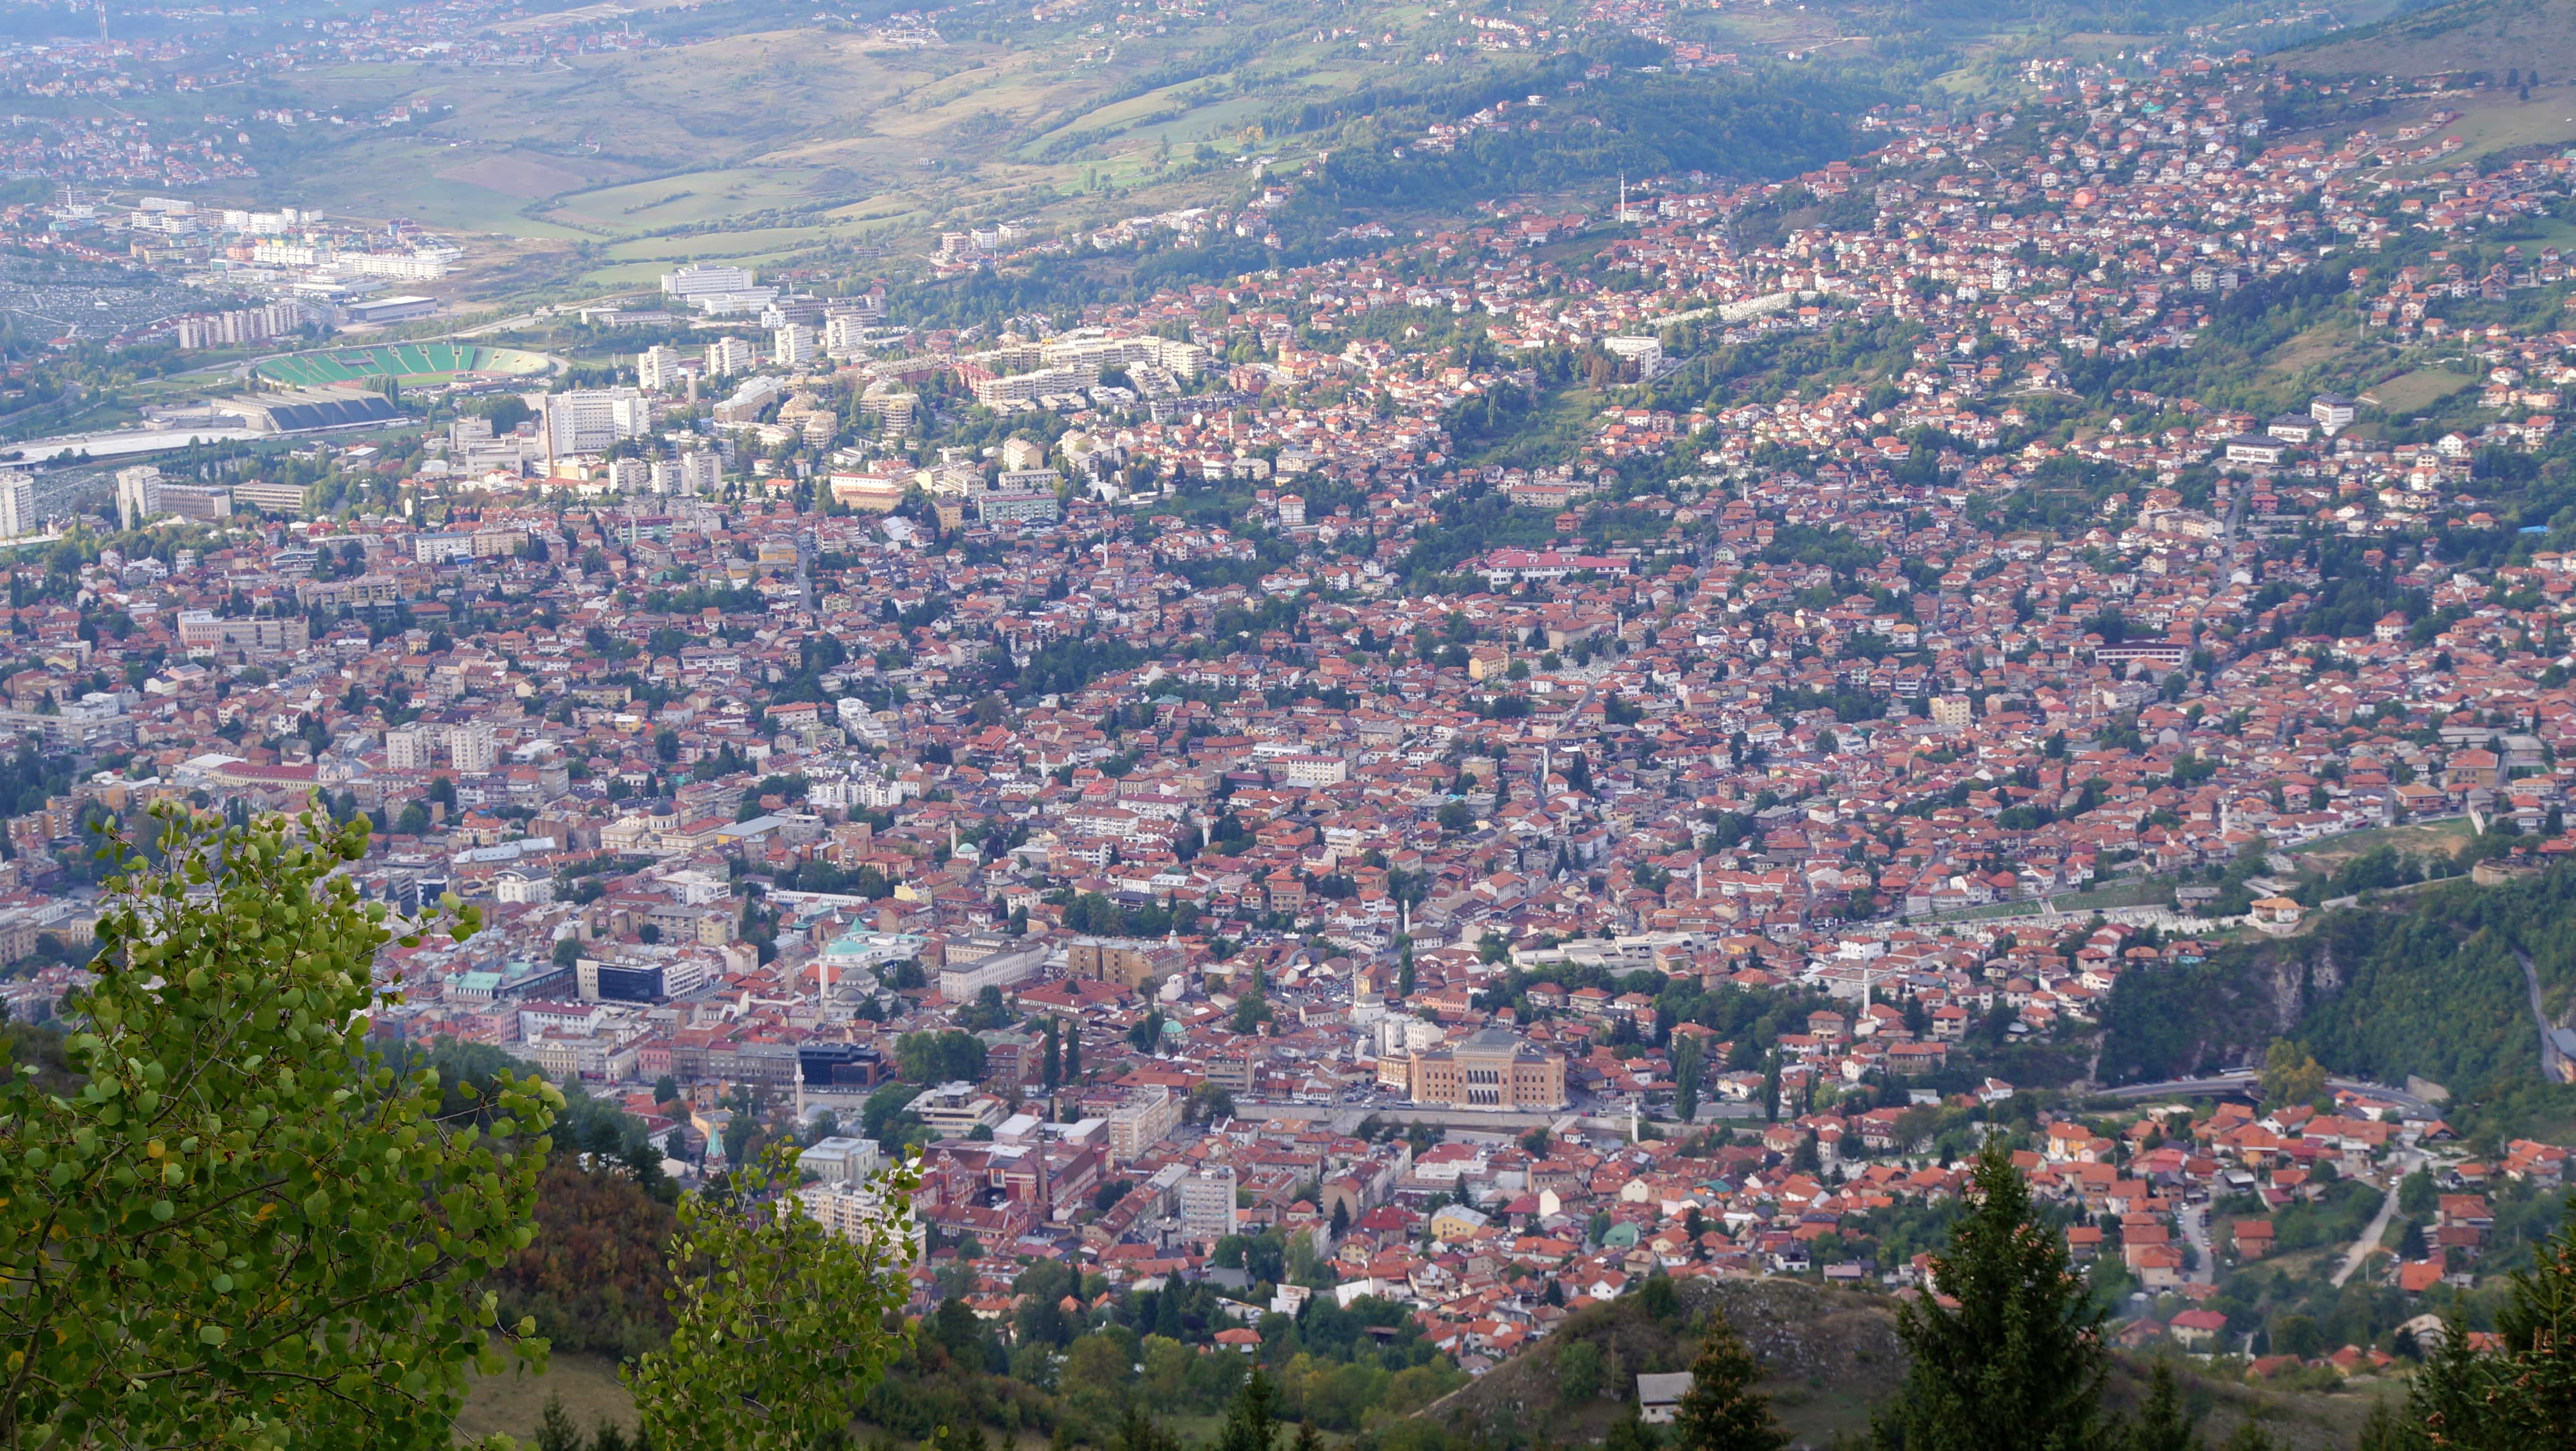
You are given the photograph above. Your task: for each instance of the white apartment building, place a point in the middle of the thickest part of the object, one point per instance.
(588, 420)
(658, 369)
(408, 748)
(138, 495)
(1097, 349)
(244, 325)
(1207, 1204)
(1147, 1118)
(473, 749)
(793, 345)
(17, 506)
(856, 1212)
(845, 335)
(728, 356)
(698, 473)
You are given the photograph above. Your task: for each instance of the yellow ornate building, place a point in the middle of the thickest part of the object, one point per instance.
(1492, 1067)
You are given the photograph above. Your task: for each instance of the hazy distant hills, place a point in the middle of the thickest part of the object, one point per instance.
(2536, 38)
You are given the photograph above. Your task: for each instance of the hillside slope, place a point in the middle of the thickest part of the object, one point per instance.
(1830, 1357)
(2426, 984)
(2536, 37)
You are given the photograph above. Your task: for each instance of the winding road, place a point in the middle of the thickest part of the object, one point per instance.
(2556, 1064)
(2398, 1168)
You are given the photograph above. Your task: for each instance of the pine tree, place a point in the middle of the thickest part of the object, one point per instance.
(2019, 1365)
(1073, 1055)
(1251, 1421)
(555, 1430)
(2520, 1395)
(1722, 1411)
(1053, 1068)
(2161, 1424)
(1140, 1432)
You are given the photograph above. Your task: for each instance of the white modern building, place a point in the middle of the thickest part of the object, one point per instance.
(1208, 1209)
(587, 420)
(703, 279)
(17, 506)
(138, 495)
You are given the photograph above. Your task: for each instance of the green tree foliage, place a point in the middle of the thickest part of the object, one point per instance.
(1578, 1370)
(1140, 1432)
(555, 1428)
(1722, 1411)
(1208, 1103)
(2520, 1395)
(779, 1323)
(2435, 990)
(246, 1229)
(1647, 124)
(2161, 1423)
(1688, 1051)
(593, 1278)
(2291, 1074)
(942, 1057)
(2020, 1364)
(1251, 1423)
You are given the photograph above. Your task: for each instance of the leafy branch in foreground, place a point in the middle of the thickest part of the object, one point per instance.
(245, 1229)
(782, 1324)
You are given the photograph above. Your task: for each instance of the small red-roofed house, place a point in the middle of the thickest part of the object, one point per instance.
(2197, 1329)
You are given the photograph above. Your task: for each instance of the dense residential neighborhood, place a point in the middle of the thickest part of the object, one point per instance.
(1260, 828)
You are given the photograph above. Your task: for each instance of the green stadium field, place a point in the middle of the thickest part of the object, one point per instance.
(418, 364)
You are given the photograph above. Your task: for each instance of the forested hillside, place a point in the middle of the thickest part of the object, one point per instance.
(2427, 984)
(1748, 128)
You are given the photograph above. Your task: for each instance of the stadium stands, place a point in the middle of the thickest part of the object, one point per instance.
(307, 412)
(418, 363)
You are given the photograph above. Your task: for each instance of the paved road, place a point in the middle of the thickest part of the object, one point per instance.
(2195, 1232)
(2555, 1064)
(117, 443)
(2235, 517)
(1348, 1116)
(2398, 1168)
(2251, 1087)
